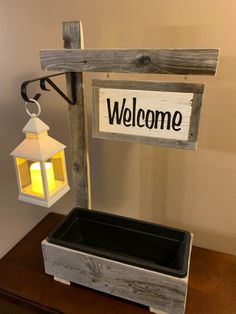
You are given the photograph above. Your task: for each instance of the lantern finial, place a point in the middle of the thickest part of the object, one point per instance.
(35, 126)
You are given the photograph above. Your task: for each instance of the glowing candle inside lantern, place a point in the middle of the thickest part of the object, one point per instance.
(36, 177)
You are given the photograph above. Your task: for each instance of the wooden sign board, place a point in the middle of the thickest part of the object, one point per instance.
(156, 113)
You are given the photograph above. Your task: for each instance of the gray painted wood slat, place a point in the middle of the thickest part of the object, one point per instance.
(156, 290)
(160, 61)
(73, 38)
(150, 85)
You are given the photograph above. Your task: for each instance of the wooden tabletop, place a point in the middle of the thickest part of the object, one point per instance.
(212, 283)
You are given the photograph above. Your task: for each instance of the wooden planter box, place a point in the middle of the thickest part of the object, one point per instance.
(135, 260)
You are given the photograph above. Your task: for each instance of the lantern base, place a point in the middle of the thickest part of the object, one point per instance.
(43, 202)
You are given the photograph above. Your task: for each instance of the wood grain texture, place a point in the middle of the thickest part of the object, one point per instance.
(195, 117)
(73, 38)
(160, 61)
(186, 138)
(150, 85)
(157, 290)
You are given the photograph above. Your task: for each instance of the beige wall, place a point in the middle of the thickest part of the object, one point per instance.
(193, 190)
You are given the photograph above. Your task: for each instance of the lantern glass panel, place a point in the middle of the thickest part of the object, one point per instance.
(30, 177)
(55, 171)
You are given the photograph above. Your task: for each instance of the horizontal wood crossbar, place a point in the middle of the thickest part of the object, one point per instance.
(159, 61)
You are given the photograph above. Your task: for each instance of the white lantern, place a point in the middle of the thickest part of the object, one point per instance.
(40, 164)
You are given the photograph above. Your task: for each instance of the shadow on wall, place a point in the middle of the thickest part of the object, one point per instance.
(114, 168)
(200, 196)
(217, 126)
(152, 183)
(209, 239)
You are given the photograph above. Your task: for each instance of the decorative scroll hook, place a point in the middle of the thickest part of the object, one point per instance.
(47, 79)
(24, 94)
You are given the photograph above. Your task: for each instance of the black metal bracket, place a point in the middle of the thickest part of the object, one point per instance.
(46, 79)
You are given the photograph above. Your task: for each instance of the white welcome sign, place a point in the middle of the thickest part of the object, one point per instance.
(157, 113)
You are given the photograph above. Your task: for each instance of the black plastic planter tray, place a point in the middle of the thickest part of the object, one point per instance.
(147, 245)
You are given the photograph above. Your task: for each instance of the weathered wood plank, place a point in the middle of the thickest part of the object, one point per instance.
(195, 117)
(161, 61)
(73, 38)
(150, 85)
(161, 100)
(163, 292)
(146, 141)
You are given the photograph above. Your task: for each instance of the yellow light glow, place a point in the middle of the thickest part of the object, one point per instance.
(36, 177)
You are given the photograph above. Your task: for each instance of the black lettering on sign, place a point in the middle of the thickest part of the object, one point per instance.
(151, 119)
(161, 117)
(177, 115)
(115, 113)
(127, 117)
(140, 112)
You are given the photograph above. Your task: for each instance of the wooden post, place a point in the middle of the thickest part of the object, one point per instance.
(73, 39)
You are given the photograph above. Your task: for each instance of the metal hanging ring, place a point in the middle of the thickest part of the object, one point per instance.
(33, 115)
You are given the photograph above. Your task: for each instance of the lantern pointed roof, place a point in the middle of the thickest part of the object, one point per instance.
(37, 145)
(35, 125)
(38, 149)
